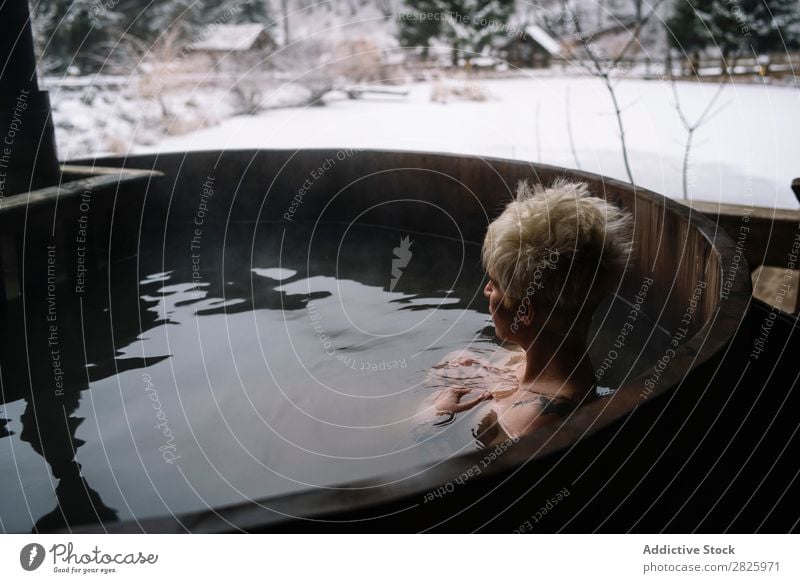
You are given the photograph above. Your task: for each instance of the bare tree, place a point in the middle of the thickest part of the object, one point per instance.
(538, 133)
(569, 133)
(603, 66)
(322, 64)
(285, 18)
(638, 5)
(691, 127)
(157, 66)
(386, 7)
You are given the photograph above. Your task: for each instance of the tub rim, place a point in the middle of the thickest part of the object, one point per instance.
(707, 342)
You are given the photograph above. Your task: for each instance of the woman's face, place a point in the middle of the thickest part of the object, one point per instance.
(505, 326)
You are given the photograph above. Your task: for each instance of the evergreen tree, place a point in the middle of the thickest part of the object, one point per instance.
(769, 25)
(753, 27)
(466, 25)
(686, 25)
(416, 29)
(734, 27)
(474, 23)
(723, 22)
(252, 11)
(687, 29)
(69, 33)
(82, 33)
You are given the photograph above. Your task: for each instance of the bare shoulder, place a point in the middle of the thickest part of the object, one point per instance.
(527, 411)
(546, 404)
(514, 358)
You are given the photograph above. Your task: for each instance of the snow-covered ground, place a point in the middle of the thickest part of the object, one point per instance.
(748, 152)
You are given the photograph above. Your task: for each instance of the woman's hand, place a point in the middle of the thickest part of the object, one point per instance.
(461, 361)
(449, 400)
(468, 361)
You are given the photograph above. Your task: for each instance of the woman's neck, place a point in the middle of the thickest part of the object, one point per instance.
(558, 359)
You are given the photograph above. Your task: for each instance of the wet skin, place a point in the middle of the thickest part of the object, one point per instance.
(542, 385)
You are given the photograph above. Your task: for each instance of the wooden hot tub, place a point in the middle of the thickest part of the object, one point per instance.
(606, 467)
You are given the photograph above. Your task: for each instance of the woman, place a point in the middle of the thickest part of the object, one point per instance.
(550, 257)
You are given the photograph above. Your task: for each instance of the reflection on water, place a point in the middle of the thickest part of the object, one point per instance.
(49, 427)
(277, 360)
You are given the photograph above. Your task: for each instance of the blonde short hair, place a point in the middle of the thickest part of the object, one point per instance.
(558, 246)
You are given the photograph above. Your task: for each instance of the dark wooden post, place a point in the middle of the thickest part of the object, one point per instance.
(28, 159)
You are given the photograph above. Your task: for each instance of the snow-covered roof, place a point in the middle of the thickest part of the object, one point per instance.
(229, 37)
(547, 42)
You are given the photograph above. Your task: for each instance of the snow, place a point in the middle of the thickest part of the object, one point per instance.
(103, 121)
(747, 153)
(229, 37)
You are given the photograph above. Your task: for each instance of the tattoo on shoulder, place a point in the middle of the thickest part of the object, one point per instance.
(561, 406)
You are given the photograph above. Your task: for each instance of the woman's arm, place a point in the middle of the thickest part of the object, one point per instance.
(465, 358)
(449, 400)
(440, 409)
(535, 411)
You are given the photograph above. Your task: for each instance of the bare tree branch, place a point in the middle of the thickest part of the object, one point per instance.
(603, 67)
(573, 58)
(569, 134)
(538, 133)
(635, 36)
(691, 127)
(612, 92)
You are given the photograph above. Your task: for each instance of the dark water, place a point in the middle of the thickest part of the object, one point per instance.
(273, 361)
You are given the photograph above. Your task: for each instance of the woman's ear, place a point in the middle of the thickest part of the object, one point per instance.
(526, 313)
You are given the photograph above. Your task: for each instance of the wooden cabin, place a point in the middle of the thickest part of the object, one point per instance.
(534, 48)
(232, 42)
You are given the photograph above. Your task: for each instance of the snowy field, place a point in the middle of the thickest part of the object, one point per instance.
(747, 153)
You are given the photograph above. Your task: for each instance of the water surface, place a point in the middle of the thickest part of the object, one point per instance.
(278, 358)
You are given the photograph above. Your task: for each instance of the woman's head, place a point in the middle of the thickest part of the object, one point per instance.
(552, 255)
